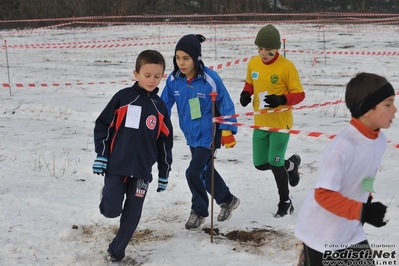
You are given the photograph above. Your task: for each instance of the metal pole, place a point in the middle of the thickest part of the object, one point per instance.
(159, 36)
(215, 45)
(8, 67)
(74, 31)
(324, 42)
(284, 46)
(213, 97)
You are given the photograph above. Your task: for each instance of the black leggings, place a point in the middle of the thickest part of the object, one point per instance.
(315, 258)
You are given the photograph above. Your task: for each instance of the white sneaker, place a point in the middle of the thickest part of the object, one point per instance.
(111, 260)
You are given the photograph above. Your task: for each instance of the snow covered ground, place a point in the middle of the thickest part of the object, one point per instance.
(49, 196)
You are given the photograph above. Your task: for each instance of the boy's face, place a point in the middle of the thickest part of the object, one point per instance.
(267, 54)
(150, 76)
(381, 116)
(186, 64)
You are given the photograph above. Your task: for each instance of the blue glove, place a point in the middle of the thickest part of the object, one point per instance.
(162, 184)
(100, 165)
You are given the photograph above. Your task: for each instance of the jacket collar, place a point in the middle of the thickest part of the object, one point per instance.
(179, 74)
(143, 91)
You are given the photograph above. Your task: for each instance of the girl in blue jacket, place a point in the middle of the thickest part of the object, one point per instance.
(189, 86)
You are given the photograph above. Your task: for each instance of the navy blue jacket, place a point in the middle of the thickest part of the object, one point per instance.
(133, 150)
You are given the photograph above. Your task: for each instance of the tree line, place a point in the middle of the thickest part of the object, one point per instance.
(33, 9)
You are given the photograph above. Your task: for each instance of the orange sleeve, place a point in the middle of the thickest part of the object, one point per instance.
(294, 98)
(249, 88)
(336, 203)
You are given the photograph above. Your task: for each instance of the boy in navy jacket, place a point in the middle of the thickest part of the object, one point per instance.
(131, 134)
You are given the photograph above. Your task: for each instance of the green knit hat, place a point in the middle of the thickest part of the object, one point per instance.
(268, 37)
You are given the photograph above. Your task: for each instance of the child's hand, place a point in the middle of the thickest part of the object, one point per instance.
(245, 98)
(162, 184)
(373, 213)
(228, 140)
(274, 101)
(100, 165)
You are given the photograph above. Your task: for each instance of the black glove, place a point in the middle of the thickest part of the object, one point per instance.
(373, 213)
(274, 101)
(245, 98)
(369, 199)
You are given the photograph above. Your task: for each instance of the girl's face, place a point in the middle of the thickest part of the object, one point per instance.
(381, 116)
(186, 64)
(150, 76)
(267, 54)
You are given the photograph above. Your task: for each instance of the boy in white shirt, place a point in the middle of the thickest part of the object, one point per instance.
(331, 216)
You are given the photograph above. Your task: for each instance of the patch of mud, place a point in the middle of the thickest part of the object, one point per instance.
(100, 235)
(257, 240)
(109, 231)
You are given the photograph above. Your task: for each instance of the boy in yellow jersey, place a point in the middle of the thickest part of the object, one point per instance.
(273, 81)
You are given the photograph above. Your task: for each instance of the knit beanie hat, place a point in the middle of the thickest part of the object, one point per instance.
(268, 37)
(190, 44)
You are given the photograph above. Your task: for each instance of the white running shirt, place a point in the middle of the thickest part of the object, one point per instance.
(346, 162)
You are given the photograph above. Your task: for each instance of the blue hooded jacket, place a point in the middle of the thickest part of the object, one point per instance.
(198, 131)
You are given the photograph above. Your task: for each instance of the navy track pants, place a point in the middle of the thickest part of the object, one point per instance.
(199, 178)
(113, 204)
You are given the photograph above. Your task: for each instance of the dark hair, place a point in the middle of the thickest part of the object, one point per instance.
(149, 57)
(361, 86)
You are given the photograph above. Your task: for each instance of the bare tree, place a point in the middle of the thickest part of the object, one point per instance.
(30, 9)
